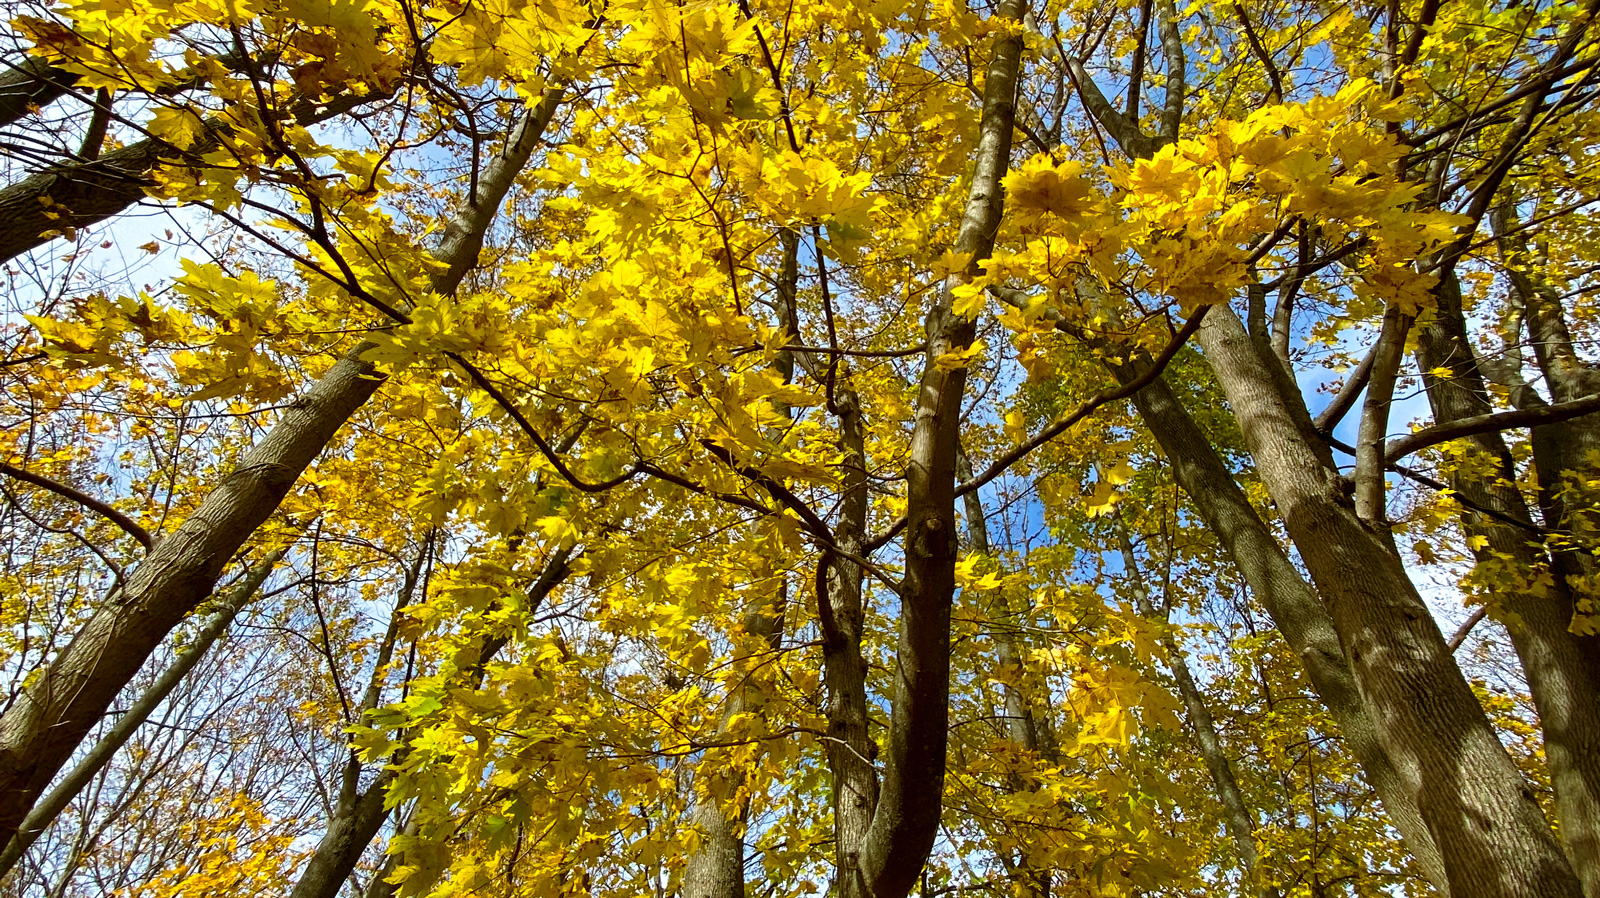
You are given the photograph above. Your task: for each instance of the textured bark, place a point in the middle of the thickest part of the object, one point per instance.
(851, 752)
(1560, 666)
(1482, 815)
(43, 206)
(1294, 606)
(361, 813)
(897, 843)
(1562, 451)
(349, 833)
(52, 804)
(716, 870)
(29, 85)
(49, 720)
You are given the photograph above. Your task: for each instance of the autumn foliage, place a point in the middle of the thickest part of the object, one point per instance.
(738, 447)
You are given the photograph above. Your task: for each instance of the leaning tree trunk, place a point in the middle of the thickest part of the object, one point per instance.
(1239, 819)
(1538, 615)
(95, 760)
(1494, 838)
(50, 719)
(1294, 606)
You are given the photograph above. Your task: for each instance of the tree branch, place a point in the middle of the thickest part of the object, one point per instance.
(128, 525)
(1466, 427)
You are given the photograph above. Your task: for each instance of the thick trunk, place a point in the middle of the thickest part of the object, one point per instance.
(1294, 606)
(44, 727)
(48, 722)
(1480, 812)
(1558, 664)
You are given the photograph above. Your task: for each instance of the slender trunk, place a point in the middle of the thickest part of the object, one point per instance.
(898, 842)
(1241, 822)
(852, 754)
(1559, 665)
(716, 870)
(1481, 813)
(1021, 725)
(51, 805)
(360, 815)
(48, 722)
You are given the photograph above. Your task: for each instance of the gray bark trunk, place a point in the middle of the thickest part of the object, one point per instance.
(1241, 822)
(50, 719)
(52, 804)
(360, 814)
(851, 751)
(906, 821)
(1482, 815)
(717, 869)
(1558, 664)
(1294, 606)
(1022, 726)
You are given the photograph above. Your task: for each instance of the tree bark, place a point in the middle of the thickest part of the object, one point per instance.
(52, 804)
(716, 870)
(1294, 606)
(1480, 812)
(1023, 728)
(71, 195)
(30, 85)
(897, 843)
(1559, 665)
(852, 753)
(1240, 820)
(360, 814)
(49, 720)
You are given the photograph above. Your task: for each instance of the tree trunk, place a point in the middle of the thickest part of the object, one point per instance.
(1240, 820)
(1559, 666)
(46, 811)
(1482, 815)
(1032, 880)
(359, 815)
(1294, 606)
(717, 869)
(851, 752)
(30, 85)
(49, 720)
(897, 843)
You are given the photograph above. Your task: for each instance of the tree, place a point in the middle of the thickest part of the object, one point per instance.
(744, 385)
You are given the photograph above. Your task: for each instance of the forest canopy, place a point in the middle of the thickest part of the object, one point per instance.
(723, 448)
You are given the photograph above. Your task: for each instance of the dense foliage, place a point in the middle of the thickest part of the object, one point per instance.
(708, 448)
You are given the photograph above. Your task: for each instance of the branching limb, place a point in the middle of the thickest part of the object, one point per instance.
(128, 525)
